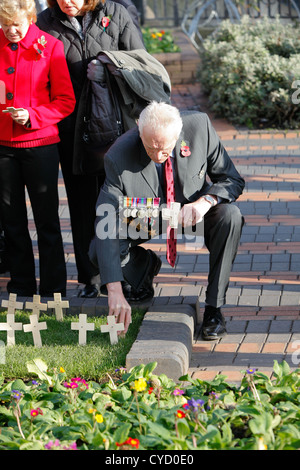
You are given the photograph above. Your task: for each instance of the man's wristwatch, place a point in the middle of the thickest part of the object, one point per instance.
(210, 199)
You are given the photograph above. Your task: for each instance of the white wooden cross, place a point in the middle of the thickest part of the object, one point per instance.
(58, 306)
(171, 214)
(112, 328)
(83, 326)
(36, 306)
(11, 326)
(12, 304)
(35, 327)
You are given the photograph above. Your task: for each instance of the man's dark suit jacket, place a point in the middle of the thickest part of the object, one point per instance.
(130, 172)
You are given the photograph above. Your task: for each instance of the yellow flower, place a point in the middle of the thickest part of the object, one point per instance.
(99, 418)
(261, 444)
(140, 385)
(92, 410)
(159, 35)
(153, 35)
(62, 370)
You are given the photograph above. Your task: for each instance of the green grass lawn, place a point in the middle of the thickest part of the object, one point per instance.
(60, 347)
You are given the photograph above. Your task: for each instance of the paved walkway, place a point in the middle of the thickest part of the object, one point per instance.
(262, 311)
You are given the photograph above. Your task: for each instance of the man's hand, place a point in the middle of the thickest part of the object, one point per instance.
(118, 305)
(193, 213)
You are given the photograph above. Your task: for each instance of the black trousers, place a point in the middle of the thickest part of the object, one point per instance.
(222, 231)
(82, 193)
(37, 170)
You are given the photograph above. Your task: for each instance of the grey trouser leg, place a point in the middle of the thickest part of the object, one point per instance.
(222, 231)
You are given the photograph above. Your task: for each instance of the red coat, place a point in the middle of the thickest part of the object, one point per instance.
(37, 80)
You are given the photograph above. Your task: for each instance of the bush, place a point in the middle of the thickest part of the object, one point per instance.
(248, 70)
(140, 410)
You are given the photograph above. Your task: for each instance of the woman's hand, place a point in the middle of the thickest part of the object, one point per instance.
(118, 305)
(21, 116)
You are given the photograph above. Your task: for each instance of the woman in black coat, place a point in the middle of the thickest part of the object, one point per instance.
(83, 28)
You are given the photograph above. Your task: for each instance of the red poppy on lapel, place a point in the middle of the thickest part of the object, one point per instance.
(40, 47)
(185, 149)
(105, 21)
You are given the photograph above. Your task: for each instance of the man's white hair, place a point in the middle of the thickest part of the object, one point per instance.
(160, 116)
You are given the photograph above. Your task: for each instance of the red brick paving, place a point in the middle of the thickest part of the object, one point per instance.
(262, 142)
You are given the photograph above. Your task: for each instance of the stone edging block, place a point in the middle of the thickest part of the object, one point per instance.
(166, 337)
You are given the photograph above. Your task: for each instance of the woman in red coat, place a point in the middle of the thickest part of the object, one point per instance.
(35, 94)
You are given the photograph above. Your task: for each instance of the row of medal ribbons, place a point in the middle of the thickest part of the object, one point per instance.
(140, 206)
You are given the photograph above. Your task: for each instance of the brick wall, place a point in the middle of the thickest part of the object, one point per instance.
(181, 66)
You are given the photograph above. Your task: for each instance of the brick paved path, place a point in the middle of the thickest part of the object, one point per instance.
(262, 310)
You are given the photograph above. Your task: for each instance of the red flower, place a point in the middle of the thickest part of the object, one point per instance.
(105, 21)
(40, 47)
(185, 149)
(180, 414)
(131, 442)
(36, 412)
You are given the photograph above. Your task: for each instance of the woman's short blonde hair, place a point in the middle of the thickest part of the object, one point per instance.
(89, 5)
(11, 9)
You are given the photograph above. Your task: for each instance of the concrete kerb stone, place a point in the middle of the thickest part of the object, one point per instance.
(166, 337)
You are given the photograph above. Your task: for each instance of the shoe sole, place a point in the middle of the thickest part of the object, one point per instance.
(214, 337)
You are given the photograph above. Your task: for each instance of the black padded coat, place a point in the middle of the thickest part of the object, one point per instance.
(121, 34)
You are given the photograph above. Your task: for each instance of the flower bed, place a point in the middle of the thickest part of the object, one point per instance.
(139, 410)
(180, 58)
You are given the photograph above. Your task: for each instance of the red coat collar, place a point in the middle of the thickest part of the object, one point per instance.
(32, 33)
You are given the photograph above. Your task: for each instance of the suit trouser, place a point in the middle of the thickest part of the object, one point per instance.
(82, 192)
(37, 170)
(222, 231)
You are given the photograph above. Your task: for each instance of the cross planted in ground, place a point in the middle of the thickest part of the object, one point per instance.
(36, 306)
(11, 326)
(11, 304)
(58, 305)
(82, 326)
(35, 327)
(112, 328)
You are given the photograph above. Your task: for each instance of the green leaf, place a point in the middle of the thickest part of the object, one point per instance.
(159, 430)
(39, 367)
(18, 384)
(183, 428)
(264, 424)
(122, 433)
(149, 368)
(121, 394)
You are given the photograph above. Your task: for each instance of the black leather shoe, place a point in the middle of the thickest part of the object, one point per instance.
(213, 326)
(90, 291)
(141, 295)
(146, 292)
